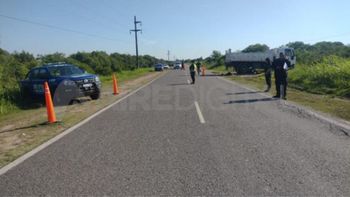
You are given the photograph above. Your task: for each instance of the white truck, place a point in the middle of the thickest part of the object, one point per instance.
(248, 62)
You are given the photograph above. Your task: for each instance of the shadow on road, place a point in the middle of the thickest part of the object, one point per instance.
(250, 101)
(178, 84)
(25, 127)
(211, 75)
(239, 93)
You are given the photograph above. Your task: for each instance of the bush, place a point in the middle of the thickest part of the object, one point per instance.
(331, 75)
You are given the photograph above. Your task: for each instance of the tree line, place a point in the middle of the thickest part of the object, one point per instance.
(14, 66)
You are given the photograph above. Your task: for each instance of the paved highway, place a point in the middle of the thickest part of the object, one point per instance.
(173, 138)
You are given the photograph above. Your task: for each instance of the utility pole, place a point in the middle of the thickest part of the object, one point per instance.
(168, 55)
(135, 30)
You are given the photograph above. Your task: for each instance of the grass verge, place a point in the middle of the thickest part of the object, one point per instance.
(23, 130)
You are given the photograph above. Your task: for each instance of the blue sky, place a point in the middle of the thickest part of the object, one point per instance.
(188, 28)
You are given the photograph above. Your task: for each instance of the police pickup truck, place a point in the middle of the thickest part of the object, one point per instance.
(66, 82)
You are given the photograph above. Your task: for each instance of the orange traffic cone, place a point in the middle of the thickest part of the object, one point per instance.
(115, 85)
(51, 117)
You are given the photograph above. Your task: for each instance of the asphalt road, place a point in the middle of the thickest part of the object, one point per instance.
(173, 138)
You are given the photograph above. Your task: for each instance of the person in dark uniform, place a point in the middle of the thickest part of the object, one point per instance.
(280, 67)
(198, 68)
(193, 72)
(267, 71)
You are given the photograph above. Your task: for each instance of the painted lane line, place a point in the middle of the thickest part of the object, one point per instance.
(29, 154)
(199, 112)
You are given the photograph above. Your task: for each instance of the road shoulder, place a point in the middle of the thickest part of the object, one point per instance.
(335, 124)
(30, 131)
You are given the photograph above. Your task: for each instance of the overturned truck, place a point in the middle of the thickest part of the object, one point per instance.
(247, 63)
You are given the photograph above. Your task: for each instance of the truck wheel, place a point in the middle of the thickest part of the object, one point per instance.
(238, 70)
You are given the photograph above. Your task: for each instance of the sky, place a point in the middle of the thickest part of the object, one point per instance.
(187, 28)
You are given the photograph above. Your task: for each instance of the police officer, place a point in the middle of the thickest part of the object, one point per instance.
(267, 71)
(280, 67)
(193, 71)
(198, 68)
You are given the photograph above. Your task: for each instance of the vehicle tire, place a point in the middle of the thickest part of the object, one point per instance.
(60, 100)
(95, 96)
(238, 69)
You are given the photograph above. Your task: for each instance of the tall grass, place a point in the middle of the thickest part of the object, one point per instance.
(331, 75)
(9, 100)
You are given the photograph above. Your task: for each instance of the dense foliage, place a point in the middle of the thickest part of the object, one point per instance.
(215, 59)
(308, 54)
(330, 75)
(256, 48)
(14, 67)
(322, 68)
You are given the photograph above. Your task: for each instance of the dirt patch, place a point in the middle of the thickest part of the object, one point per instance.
(7, 127)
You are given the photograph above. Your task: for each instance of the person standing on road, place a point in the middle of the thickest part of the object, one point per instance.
(183, 65)
(198, 68)
(280, 67)
(267, 71)
(193, 72)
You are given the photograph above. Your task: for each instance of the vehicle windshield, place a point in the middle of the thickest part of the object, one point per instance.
(288, 52)
(65, 71)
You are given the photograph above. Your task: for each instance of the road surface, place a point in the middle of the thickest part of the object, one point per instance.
(173, 138)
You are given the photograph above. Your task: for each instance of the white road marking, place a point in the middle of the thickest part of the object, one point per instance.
(188, 81)
(200, 115)
(26, 156)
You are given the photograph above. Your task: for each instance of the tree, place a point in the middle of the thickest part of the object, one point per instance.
(56, 57)
(256, 48)
(216, 58)
(310, 54)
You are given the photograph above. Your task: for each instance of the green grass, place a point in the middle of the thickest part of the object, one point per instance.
(126, 75)
(330, 76)
(218, 69)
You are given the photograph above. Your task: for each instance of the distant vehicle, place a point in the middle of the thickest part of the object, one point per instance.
(165, 66)
(249, 62)
(66, 82)
(177, 65)
(159, 67)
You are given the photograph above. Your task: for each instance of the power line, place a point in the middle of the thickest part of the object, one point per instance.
(58, 28)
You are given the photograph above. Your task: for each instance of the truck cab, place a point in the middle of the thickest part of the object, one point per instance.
(288, 53)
